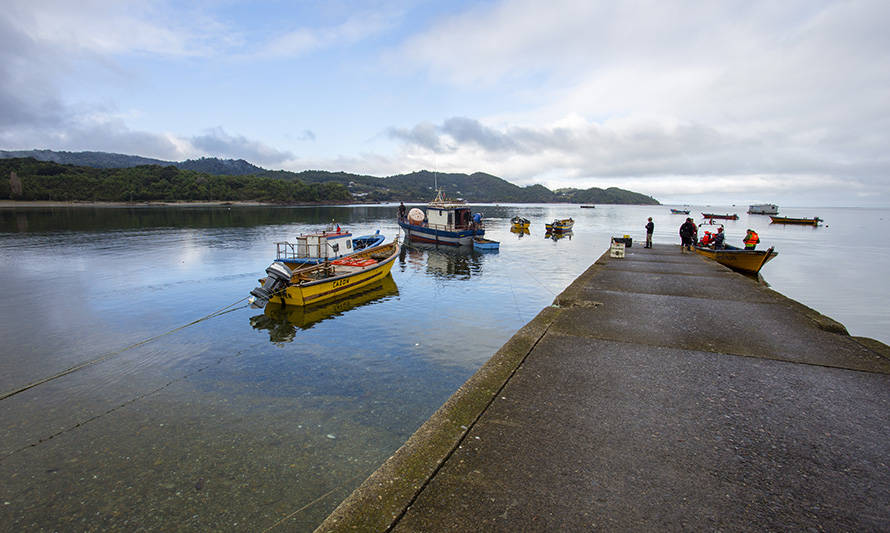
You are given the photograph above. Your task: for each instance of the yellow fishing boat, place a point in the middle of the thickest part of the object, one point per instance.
(519, 223)
(318, 283)
(747, 261)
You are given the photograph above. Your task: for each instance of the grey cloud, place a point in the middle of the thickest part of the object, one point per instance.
(466, 130)
(424, 135)
(216, 142)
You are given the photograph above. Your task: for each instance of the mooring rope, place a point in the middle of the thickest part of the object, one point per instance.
(109, 355)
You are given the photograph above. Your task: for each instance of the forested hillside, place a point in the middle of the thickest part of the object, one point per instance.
(29, 179)
(203, 179)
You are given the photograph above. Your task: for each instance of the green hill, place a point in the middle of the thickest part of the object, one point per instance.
(414, 187)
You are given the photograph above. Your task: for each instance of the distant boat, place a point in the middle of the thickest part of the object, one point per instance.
(723, 217)
(313, 284)
(801, 221)
(480, 243)
(763, 209)
(588, 206)
(520, 223)
(447, 222)
(679, 211)
(746, 261)
(559, 225)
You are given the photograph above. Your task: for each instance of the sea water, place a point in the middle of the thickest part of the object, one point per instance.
(159, 400)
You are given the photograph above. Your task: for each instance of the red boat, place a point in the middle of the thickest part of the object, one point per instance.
(725, 217)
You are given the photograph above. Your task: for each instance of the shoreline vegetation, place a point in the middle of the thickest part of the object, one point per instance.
(217, 182)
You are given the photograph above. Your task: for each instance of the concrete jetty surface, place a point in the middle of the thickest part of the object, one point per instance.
(662, 392)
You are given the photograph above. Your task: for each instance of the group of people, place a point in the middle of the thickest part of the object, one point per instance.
(689, 237)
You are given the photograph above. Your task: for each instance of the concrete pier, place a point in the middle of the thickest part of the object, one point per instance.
(661, 392)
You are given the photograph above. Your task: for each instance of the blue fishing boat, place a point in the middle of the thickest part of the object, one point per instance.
(679, 211)
(447, 222)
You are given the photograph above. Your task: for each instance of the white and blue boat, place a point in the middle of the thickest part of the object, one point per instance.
(326, 245)
(446, 222)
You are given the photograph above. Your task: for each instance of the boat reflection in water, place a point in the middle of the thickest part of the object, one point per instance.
(557, 235)
(520, 232)
(443, 262)
(282, 321)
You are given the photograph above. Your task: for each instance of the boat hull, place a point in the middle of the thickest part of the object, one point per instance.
(799, 221)
(720, 217)
(415, 233)
(485, 244)
(307, 292)
(746, 261)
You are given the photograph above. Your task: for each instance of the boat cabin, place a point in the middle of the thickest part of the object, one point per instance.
(316, 247)
(449, 215)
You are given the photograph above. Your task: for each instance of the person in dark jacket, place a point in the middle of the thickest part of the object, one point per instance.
(719, 239)
(687, 234)
(650, 229)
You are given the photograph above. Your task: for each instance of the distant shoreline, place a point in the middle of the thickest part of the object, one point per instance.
(43, 203)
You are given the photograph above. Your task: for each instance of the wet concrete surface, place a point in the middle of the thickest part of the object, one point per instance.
(665, 392)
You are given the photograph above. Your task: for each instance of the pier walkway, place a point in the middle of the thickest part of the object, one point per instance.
(662, 392)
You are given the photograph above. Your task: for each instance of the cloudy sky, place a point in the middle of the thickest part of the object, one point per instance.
(690, 102)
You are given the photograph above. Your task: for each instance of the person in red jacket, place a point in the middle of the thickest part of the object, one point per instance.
(751, 239)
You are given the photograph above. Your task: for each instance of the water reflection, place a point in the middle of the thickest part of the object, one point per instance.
(557, 235)
(459, 262)
(282, 321)
(520, 232)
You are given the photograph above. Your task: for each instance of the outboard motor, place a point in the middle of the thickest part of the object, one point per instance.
(278, 278)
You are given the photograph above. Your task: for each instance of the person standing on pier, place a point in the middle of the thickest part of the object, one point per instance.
(687, 234)
(402, 210)
(650, 229)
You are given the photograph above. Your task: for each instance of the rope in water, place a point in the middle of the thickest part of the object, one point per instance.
(109, 355)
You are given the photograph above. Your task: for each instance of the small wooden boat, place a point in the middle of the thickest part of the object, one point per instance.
(520, 223)
(559, 225)
(723, 217)
(485, 244)
(679, 211)
(802, 221)
(746, 261)
(312, 284)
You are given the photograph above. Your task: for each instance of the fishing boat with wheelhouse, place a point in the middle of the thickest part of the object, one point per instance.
(311, 284)
(326, 245)
(679, 211)
(446, 222)
(763, 209)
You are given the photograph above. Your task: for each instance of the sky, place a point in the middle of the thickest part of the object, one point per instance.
(717, 102)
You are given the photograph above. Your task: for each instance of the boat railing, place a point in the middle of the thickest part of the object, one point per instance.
(298, 250)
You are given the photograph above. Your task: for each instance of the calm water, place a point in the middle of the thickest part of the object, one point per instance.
(252, 418)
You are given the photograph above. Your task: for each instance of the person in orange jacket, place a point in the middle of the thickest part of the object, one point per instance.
(751, 239)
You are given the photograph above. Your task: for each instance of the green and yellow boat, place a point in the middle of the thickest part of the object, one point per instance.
(746, 261)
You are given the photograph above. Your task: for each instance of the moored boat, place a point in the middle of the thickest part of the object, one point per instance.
(326, 245)
(763, 209)
(588, 207)
(447, 222)
(679, 211)
(722, 217)
(520, 223)
(480, 243)
(746, 261)
(559, 225)
(802, 221)
(311, 284)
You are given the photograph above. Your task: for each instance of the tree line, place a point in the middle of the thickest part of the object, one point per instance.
(30, 179)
